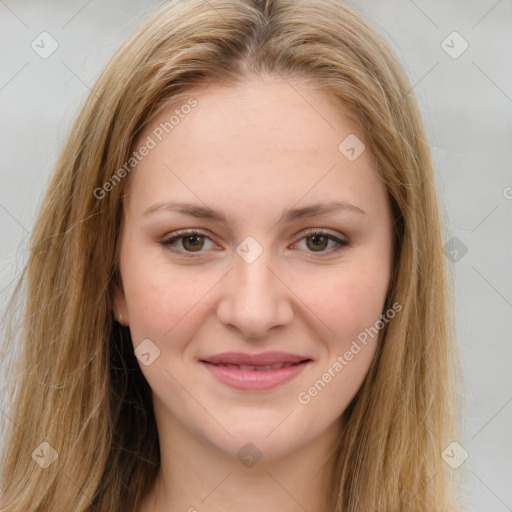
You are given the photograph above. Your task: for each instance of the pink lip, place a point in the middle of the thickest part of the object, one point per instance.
(255, 379)
(254, 359)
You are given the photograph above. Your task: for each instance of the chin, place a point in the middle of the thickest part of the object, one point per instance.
(266, 439)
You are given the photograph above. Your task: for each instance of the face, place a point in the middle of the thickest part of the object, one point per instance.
(246, 266)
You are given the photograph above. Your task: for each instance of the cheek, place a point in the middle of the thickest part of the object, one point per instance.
(166, 302)
(353, 300)
(161, 301)
(347, 299)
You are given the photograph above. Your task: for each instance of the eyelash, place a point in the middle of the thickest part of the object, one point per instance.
(312, 232)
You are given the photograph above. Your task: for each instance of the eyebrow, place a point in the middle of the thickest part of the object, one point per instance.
(288, 215)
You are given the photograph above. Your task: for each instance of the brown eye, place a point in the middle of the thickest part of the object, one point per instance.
(193, 242)
(317, 242)
(188, 243)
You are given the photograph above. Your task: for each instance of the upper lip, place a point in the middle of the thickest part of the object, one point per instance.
(265, 358)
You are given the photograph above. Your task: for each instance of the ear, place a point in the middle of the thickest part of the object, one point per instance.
(120, 307)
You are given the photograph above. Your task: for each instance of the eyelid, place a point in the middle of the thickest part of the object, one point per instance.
(183, 233)
(325, 232)
(342, 241)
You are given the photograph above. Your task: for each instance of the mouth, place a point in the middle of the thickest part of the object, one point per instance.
(247, 367)
(242, 371)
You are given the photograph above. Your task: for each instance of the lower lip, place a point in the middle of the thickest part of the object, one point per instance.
(255, 379)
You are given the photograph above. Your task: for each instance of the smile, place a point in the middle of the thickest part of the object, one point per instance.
(255, 377)
(246, 367)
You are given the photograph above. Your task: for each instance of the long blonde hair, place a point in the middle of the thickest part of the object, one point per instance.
(77, 385)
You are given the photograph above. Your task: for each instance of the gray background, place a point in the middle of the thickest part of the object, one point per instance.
(467, 106)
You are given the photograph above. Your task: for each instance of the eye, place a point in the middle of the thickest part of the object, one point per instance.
(317, 241)
(192, 241)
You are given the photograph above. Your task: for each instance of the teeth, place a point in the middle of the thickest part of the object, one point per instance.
(245, 367)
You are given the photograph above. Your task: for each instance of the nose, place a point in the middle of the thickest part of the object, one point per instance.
(255, 298)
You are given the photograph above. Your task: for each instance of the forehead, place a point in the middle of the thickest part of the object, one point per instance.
(257, 141)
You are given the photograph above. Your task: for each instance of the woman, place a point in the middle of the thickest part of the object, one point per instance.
(236, 296)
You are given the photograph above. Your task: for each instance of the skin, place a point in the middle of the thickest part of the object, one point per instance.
(252, 151)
